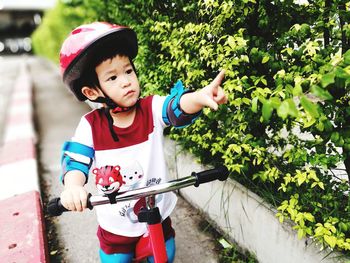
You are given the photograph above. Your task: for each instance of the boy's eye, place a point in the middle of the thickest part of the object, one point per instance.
(129, 71)
(112, 78)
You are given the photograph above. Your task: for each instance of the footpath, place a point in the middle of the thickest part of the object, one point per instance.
(27, 159)
(22, 232)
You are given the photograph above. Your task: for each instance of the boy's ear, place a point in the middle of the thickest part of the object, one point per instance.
(90, 93)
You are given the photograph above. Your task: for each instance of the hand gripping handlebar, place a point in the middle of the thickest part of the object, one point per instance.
(55, 208)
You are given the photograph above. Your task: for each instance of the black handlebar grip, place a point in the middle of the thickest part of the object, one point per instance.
(219, 173)
(55, 207)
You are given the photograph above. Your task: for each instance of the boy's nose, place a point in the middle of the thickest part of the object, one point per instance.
(125, 81)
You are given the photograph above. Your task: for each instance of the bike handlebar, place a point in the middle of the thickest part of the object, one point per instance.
(219, 173)
(55, 207)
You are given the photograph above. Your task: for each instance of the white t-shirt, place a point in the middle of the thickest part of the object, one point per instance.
(139, 153)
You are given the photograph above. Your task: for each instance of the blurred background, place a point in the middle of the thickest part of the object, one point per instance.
(18, 20)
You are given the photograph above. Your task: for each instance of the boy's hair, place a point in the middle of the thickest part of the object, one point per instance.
(105, 52)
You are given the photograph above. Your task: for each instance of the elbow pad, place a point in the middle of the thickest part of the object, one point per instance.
(172, 113)
(76, 156)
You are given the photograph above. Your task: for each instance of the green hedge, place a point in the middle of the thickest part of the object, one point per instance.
(288, 74)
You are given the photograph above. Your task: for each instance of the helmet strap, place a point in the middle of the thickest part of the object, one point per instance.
(115, 108)
(110, 124)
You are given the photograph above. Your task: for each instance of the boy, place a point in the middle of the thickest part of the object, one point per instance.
(125, 135)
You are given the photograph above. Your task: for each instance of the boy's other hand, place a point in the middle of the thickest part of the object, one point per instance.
(213, 95)
(74, 198)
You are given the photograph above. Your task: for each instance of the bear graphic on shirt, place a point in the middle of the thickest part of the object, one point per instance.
(132, 175)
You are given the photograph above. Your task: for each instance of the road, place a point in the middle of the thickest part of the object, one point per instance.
(72, 236)
(9, 68)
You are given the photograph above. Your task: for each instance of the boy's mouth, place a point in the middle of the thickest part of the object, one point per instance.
(129, 92)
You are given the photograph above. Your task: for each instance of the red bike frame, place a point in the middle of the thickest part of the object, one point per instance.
(153, 244)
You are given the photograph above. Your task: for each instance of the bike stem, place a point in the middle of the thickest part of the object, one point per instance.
(152, 217)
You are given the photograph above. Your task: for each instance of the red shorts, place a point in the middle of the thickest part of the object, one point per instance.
(111, 243)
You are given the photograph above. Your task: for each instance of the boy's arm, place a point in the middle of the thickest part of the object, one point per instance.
(209, 96)
(76, 162)
(74, 195)
(182, 107)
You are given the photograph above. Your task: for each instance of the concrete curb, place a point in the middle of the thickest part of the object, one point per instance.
(245, 218)
(22, 235)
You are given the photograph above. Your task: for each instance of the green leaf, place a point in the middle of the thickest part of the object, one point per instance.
(224, 243)
(236, 148)
(286, 108)
(309, 217)
(293, 111)
(296, 27)
(275, 102)
(347, 57)
(283, 110)
(265, 59)
(341, 73)
(301, 179)
(321, 185)
(255, 105)
(343, 226)
(297, 90)
(245, 10)
(231, 41)
(310, 107)
(267, 110)
(330, 240)
(321, 93)
(327, 79)
(335, 137)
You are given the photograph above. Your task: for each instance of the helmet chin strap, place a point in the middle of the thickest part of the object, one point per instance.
(115, 108)
(112, 105)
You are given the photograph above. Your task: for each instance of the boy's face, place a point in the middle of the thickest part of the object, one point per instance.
(118, 80)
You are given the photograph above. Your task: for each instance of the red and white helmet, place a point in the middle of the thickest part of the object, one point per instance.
(82, 41)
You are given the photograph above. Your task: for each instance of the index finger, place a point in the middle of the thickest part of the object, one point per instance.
(218, 79)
